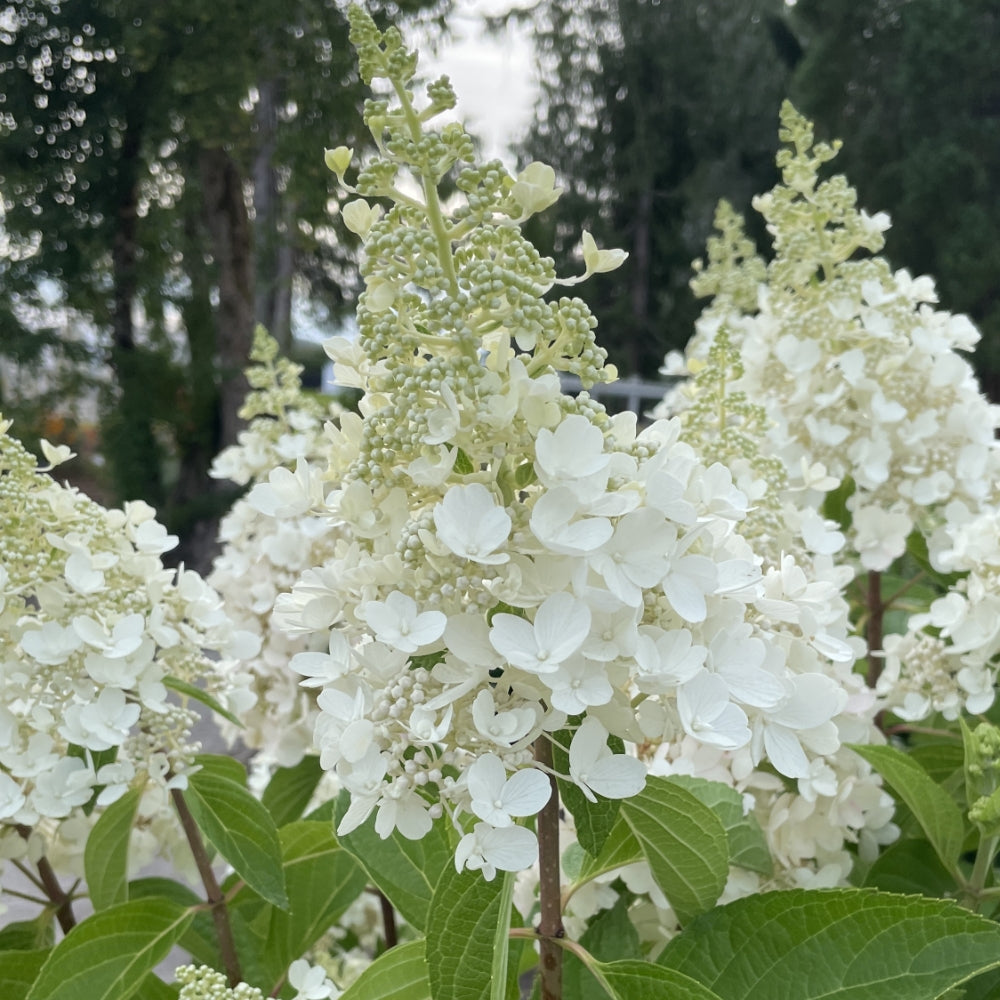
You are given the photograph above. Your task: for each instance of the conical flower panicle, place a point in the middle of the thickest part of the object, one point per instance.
(513, 561)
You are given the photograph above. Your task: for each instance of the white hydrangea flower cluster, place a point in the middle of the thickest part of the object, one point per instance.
(855, 367)
(511, 561)
(841, 800)
(94, 635)
(947, 661)
(262, 556)
(199, 982)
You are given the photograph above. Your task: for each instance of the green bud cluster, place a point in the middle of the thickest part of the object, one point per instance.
(454, 292)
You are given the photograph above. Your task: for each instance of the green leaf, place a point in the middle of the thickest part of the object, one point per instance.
(323, 880)
(463, 918)
(916, 546)
(154, 988)
(463, 464)
(501, 967)
(407, 871)
(28, 935)
(610, 935)
(290, 789)
(241, 830)
(747, 843)
(398, 974)
(620, 849)
(984, 987)
(933, 808)
(594, 821)
(200, 939)
(524, 475)
(684, 842)
(203, 697)
(910, 866)
(107, 956)
(222, 766)
(835, 944)
(19, 970)
(634, 979)
(835, 503)
(105, 858)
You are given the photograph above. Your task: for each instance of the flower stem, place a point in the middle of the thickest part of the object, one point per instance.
(972, 893)
(48, 882)
(388, 921)
(550, 926)
(215, 897)
(873, 633)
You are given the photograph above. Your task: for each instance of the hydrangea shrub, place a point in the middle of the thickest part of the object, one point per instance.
(584, 689)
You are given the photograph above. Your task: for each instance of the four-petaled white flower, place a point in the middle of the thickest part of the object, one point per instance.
(561, 625)
(707, 713)
(310, 981)
(487, 849)
(471, 524)
(496, 799)
(395, 622)
(598, 771)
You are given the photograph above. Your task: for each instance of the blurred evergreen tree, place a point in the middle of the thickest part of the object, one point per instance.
(161, 169)
(650, 112)
(912, 88)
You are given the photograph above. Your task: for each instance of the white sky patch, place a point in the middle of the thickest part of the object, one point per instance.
(494, 76)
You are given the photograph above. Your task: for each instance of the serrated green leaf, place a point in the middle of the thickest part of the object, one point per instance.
(835, 944)
(105, 858)
(594, 821)
(19, 970)
(684, 842)
(942, 761)
(202, 697)
(290, 789)
(398, 974)
(251, 928)
(200, 939)
(241, 830)
(323, 880)
(406, 871)
(747, 843)
(108, 955)
(620, 849)
(610, 935)
(462, 921)
(633, 979)
(932, 807)
(909, 866)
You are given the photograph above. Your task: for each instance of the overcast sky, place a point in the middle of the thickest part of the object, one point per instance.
(494, 77)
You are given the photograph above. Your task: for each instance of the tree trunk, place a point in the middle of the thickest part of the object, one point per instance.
(129, 443)
(229, 227)
(274, 257)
